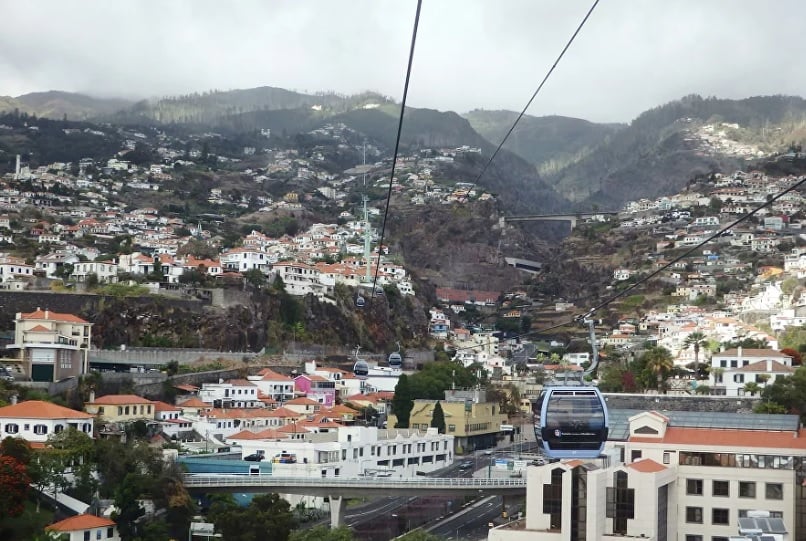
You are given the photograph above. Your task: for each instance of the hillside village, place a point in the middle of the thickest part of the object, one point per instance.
(67, 210)
(728, 315)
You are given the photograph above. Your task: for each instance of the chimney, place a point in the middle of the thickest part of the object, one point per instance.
(17, 169)
(13, 399)
(92, 396)
(740, 355)
(769, 365)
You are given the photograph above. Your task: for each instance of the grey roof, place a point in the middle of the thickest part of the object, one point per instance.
(620, 429)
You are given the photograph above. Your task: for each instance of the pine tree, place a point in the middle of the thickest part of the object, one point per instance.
(402, 402)
(438, 418)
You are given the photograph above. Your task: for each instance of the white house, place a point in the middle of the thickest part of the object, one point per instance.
(273, 385)
(732, 369)
(85, 528)
(35, 420)
(235, 393)
(105, 271)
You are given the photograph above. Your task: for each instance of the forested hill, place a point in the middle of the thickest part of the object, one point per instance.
(548, 142)
(217, 107)
(57, 104)
(664, 147)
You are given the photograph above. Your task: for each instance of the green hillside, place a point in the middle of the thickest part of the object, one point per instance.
(56, 104)
(548, 142)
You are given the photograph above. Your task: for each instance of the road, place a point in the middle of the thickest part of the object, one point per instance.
(385, 518)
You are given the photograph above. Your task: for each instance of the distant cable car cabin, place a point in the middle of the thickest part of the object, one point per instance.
(571, 422)
(359, 301)
(395, 359)
(361, 368)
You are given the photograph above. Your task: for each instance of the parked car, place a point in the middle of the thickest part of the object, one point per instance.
(5, 375)
(466, 465)
(254, 457)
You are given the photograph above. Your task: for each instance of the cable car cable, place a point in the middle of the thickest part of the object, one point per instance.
(576, 319)
(537, 91)
(397, 143)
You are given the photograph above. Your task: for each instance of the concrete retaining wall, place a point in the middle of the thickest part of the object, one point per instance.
(158, 356)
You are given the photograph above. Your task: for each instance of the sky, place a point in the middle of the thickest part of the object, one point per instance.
(631, 55)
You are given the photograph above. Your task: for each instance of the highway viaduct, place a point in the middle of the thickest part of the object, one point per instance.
(338, 488)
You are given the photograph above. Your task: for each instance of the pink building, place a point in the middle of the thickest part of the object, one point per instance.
(317, 388)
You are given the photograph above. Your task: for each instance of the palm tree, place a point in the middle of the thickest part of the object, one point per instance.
(751, 388)
(659, 362)
(696, 340)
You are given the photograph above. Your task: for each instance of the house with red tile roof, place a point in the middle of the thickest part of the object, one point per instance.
(234, 393)
(36, 420)
(85, 527)
(674, 475)
(120, 408)
(273, 385)
(734, 368)
(51, 346)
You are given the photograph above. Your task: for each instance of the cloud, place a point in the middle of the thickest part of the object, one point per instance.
(631, 56)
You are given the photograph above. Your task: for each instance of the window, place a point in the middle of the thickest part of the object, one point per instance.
(747, 489)
(694, 487)
(720, 516)
(40, 429)
(719, 538)
(110, 532)
(98, 534)
(101, 410)
(667, 457)
(58, 428)
(87, 535)
(774, 491)
(693, 538)
(720, 488)
(635, 455)
(694, 515)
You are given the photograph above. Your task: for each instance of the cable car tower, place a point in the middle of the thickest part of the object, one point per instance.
(570, 416)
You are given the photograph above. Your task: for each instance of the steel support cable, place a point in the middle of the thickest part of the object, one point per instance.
(651, 275)
(397, 145)
(537, 91)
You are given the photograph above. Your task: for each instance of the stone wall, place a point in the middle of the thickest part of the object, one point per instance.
(12, 302)
(647, 402)
(195, 378)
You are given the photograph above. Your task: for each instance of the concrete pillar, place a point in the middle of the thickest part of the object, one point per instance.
(336, 512)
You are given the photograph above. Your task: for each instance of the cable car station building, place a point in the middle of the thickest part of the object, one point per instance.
(674, 476)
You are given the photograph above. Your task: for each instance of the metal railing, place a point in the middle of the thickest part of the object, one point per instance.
(206, 480)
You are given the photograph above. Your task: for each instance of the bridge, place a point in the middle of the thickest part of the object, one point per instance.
(337, 488)
(570, 217)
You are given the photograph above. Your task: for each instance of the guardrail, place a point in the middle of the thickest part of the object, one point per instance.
(224, 480)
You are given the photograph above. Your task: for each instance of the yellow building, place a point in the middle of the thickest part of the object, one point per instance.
(117, 408)
(469, 418)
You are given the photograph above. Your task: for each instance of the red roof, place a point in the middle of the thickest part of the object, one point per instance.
(735, 439)
(53, 316)
(39, 328)
(193, 403)
(647, 465)
(81, 522)
(164, 406)
(38, 409)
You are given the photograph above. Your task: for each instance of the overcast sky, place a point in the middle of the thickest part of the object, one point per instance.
(632, 54)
